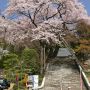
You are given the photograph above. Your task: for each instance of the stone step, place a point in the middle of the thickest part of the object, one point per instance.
(63, 74)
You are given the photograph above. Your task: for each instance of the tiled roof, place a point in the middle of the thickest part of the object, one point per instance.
(63, 52)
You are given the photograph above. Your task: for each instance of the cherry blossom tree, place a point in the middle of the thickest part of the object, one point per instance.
(49, 18)
(44, 20)
(11, 31)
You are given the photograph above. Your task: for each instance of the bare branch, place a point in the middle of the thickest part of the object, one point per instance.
(33, 21)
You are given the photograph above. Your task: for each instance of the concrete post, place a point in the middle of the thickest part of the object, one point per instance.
(69, 88)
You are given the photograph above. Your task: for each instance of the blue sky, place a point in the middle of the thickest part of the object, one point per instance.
(86, 3)
(3, 5)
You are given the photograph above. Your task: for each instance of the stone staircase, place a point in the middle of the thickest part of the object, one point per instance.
(62, 75)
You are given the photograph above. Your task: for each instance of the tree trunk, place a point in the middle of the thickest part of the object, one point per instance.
(44, 57)
(56, 51)
(50, 52)
(41, 71)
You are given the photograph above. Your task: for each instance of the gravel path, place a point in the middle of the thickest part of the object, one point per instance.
(61, 75)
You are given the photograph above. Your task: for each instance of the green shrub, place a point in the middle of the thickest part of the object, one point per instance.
(10, 61)
(30, 60)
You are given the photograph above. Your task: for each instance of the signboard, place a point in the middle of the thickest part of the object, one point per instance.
(34, 79)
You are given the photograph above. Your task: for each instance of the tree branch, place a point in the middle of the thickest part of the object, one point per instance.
(33, 21)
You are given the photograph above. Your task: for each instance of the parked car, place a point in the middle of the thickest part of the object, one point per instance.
(4, 83)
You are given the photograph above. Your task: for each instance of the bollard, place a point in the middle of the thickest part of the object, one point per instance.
(69, 88)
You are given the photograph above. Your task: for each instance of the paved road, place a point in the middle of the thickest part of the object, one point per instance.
(62, 74)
